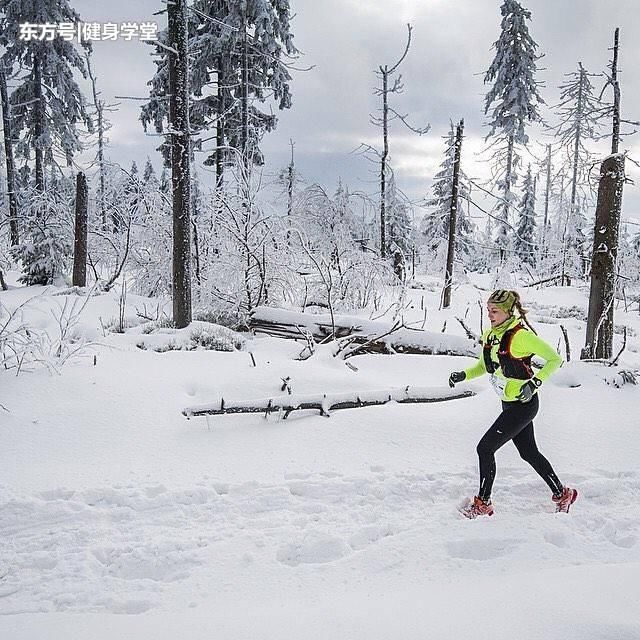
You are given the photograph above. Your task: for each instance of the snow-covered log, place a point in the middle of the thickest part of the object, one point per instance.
(328, 402)
(377, 334)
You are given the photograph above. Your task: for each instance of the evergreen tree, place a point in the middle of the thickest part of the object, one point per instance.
(149, 173)
(399, 225)
(512, 102)
(239, 48)
(525, 243)
(580, 114)
(48, 103)
(435, 224)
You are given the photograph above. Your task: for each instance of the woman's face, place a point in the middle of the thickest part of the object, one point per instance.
(496, 315)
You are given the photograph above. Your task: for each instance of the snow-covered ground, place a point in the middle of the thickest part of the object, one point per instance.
(121, 519)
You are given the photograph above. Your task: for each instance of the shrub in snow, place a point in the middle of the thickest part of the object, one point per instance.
(227, 316)
(114, 325)
(199, 335)
(216, 338)
(61, 339)
(162, 323)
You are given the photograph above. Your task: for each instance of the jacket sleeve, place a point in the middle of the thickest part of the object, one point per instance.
(479, 368)
(527, 343)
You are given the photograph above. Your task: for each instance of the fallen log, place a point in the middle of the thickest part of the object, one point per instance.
(379, 337)
(325, 403)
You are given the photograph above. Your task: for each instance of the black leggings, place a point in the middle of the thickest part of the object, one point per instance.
(514, 423)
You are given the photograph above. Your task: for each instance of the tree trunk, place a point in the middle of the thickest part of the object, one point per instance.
(576, 147)
(8, 152)
(180, 168)
(220, 125)
(244, 99)
(383, 162)
(290, 179)
(599, 337)
(453, 215)
(547, 192)
(80, 244)
(615, 137)
(99, 105)
(39, 115)
(508, 179)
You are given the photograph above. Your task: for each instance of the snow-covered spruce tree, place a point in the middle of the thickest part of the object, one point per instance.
(47, 109)
(580, 115)
(48, 105)
(237, 59)
(45, 251)
(526, 232)
(511, 103)
(434, 227)
(149, 173)
(580, 121)
(400, 235)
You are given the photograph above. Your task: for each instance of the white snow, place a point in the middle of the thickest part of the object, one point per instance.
(121, 519)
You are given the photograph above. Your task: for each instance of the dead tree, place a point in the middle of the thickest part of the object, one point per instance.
(80, 243)
(180, 167)
(103, 126)
(389, 114)
(8, 152)
(453, 214)
(599, 337)
(615, 134)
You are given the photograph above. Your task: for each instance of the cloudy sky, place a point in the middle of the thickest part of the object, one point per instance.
(346, 40)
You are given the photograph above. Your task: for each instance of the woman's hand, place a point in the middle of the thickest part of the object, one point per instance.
(456, 376)
(528, 389)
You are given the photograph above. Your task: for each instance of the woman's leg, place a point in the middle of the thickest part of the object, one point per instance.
(515, 416)
(525, 442)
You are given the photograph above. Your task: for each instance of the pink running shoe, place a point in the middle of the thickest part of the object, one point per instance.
(476, 508)
(565, 500)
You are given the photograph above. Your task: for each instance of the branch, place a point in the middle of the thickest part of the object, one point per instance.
(406, 50)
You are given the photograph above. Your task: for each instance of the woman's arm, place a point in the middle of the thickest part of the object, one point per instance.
(526, 343)
(479, 368)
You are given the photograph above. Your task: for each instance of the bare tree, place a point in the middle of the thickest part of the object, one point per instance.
(103, 125)
(386, 73)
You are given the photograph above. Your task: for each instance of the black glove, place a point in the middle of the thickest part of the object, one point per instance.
(528, 389)
(456, 376)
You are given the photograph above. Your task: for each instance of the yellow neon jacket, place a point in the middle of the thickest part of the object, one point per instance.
(524, 343)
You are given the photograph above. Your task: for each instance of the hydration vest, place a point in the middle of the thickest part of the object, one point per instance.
(518, 368)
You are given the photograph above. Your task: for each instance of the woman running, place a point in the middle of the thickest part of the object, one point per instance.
(507, 348)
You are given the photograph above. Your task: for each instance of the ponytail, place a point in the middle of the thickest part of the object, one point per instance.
(522, 312)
